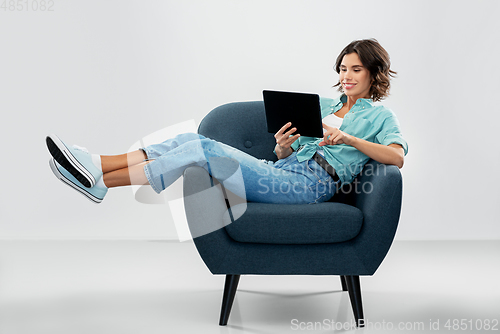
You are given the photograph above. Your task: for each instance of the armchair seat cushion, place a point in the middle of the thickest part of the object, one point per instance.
(294, 224)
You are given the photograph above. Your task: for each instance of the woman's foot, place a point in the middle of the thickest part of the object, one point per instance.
(77, 161)
(95, 194)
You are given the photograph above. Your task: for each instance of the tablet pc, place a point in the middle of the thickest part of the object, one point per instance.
(302, 109)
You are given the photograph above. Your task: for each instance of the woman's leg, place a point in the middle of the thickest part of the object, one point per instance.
(111, 163)
(124, 169)
(287, 181)
(132, 175)
(128, 169)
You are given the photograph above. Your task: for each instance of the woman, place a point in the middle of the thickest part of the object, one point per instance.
(309, 170)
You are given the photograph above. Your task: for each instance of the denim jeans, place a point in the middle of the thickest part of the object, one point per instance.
(285, 181)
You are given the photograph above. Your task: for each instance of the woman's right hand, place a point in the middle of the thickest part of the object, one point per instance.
(284, 141)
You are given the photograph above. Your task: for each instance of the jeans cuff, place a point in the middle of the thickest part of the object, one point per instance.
(148, 173)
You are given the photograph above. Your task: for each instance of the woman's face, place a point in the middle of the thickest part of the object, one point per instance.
(354, 77)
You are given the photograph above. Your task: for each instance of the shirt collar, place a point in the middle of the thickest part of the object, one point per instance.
(369, 102)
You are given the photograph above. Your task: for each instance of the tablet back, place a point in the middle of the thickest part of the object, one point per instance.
(302, 109)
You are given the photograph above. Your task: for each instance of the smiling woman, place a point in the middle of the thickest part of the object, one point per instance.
(367, 132)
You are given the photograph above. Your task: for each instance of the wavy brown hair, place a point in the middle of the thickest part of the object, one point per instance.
(374, 58)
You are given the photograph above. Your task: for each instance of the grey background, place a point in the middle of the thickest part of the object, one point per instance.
(105, 74)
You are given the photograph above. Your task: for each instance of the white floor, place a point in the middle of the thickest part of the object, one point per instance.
(109, 287)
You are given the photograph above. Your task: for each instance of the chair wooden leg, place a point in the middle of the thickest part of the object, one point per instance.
(344, 284)
(227, 300)
(354, 288)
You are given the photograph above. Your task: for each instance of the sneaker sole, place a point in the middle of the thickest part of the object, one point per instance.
(68, 182)
(63, 156)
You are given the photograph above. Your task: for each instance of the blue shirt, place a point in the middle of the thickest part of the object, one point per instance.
(365, 120)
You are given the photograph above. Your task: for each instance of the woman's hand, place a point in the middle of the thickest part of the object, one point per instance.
(334, 136)
(392, 154)
(284, 141)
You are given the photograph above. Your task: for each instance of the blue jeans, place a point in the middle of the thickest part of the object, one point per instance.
(286, 181)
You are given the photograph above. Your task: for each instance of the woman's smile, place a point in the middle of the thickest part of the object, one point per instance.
(348, 85)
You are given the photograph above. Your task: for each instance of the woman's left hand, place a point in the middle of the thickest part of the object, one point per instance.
(334, 136)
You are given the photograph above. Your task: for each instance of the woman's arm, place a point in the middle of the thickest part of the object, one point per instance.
(392, 154)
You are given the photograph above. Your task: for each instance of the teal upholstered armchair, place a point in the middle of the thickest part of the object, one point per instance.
(348, 236)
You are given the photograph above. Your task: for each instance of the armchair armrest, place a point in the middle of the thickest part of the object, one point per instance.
(205, 208)
(378, 194)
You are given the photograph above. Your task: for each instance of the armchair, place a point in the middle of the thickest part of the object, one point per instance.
(348, 236)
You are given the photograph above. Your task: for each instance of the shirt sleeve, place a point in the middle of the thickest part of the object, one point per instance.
(295, 145)
(391, 133)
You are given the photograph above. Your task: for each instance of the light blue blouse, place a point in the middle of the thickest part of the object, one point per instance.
(365, 120)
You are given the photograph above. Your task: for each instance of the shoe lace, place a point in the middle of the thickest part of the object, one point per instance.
(83, 149)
